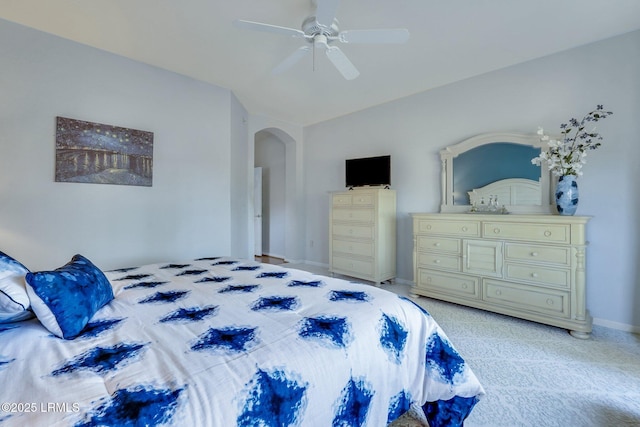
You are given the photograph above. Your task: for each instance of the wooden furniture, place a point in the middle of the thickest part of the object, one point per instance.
(526, 266)
(362, 234)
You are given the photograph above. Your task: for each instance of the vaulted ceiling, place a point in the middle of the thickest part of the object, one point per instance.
(449, 40)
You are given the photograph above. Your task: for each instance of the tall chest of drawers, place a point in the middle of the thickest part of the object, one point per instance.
(526, 266)
(362, 234)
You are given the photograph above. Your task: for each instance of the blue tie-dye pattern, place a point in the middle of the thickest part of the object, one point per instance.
(275, 400)
(134, 407)
(193, 314)
(246, 268)
(393, 337)
(124, 270)
(133, 277)
(335, 330)
(399, 404)
(5, 328)
(272, 275)
(422, 309)
(225, 263)
(443, 360)
(226, 339)
(209, 258)
(163, 297)
(4, 363)
(215, 279)
(238, 289)
(275, 303)
(144, 285)
(353, 406)
(355, 296)
(72, 293)
(175, 266)
(93, 329)
(450, 413)
(101, 359)
(192, 272)
(311, 284)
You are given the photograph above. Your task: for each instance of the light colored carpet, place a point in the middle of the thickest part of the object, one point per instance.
(538, 375)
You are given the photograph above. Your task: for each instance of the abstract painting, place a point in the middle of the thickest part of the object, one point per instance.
(102, 154)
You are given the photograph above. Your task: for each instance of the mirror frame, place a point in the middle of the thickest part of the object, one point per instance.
(447, 155)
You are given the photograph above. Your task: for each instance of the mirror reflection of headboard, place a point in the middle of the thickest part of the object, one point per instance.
(484, 160)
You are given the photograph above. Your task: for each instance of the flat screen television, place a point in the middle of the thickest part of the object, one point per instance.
(368, 171)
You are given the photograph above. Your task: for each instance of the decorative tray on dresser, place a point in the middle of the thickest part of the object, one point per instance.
(527, 266)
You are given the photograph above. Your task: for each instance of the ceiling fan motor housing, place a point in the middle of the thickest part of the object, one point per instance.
(311, 27)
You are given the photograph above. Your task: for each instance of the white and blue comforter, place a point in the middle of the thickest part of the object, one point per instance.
(225, 342)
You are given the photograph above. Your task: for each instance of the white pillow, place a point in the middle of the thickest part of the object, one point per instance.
(14, 301)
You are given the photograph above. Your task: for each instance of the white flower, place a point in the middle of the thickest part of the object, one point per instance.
(567, 156)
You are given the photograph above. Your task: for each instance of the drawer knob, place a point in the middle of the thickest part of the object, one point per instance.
(436, 261)
(465, 286)
(428, 227)
(534, 253)
(498, 292)
(547, 233)
(534, 275)
(496, 230)
(437, 245)
(549, 301)
(464, 229)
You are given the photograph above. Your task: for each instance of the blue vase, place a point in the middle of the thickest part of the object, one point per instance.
(567, 195)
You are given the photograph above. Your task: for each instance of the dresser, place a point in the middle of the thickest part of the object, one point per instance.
(362, 234)
(526, 266)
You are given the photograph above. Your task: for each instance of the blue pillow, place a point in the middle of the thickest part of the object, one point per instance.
(65, 299)
(14, 301)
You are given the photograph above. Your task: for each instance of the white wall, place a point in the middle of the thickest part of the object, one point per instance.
(240, 179)
(186, 213)
(270, 155)
(543, 92)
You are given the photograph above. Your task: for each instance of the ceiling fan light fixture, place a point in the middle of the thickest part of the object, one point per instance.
(322, 31)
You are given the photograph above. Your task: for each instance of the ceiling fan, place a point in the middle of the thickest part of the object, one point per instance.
(320, 31)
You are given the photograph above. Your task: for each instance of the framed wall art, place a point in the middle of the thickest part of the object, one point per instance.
(102, 154)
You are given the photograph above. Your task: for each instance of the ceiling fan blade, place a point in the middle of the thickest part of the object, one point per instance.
(396, 35)
(342, 63)
(290, 60)
(268, 28)
(326, 12)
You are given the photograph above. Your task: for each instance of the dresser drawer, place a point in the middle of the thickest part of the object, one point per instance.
(439, 261)
(353, 248)
(529, 298)
(440, 244)
(454, 228)
(342, 199)
(554, 277)
(363, 199)
(348, 265)
(534, 253)
(550, 233)
(447, 283)
(357, 215)
(356, 231)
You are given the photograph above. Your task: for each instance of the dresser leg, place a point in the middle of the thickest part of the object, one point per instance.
(580, 335)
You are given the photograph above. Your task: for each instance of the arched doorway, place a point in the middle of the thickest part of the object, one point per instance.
(288, 203)
(269, 195)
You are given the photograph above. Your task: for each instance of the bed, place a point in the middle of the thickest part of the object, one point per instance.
(222, 342)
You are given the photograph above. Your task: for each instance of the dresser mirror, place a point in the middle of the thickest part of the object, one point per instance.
(493, 173)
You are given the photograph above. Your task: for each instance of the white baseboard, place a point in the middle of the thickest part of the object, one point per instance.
(616, 325)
